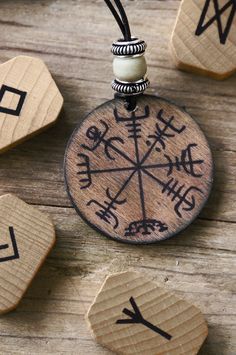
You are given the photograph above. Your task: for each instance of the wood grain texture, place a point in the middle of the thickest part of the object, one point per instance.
(161, 323)
(27, 236)
(74, 39)
(140, 177)
(203, 49)
(41, 101)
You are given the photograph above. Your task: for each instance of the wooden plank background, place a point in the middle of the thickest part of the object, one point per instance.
(74, 37)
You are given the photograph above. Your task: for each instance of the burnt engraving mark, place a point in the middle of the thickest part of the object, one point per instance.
(21, 94)
(184, 162)
(145, 227)
(132, 122)
(86, 181)
(13, 244)
(86, 172)
(166, 128)
(203, 25)
(183, 197)
(136, 317)
(96, 136)
(107, 208)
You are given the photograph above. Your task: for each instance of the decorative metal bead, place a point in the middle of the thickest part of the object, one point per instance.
(134, 47)
(129, 67)
(130, 89)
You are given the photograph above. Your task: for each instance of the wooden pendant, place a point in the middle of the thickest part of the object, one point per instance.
(29, 100)
(204, 37)
(138, 177)
(26, 237)
(132, 315)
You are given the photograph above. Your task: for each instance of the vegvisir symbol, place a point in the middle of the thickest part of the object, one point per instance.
(223, 33)
(165, 129)
(136, 317)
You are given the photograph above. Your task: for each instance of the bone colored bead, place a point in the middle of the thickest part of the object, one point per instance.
(129, 69)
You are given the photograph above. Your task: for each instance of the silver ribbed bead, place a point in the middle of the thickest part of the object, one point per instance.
(135, 47)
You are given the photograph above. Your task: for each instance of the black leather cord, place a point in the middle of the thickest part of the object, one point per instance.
(121, 18)
(123, 22)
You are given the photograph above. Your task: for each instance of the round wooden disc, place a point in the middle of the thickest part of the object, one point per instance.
(138, 177)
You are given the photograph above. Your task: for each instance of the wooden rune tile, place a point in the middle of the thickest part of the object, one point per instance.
(29, 100)
(204, 37)
(132, 315)
(26, 238)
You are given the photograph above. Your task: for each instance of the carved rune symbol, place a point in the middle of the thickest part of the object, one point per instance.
(139, 168)
(21, 94)
(136, 317)
(223, 33)
(15, 254)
